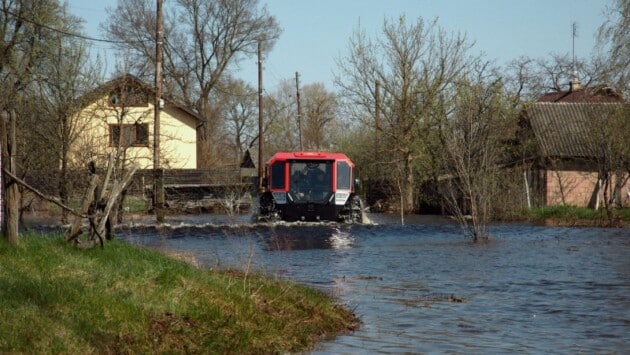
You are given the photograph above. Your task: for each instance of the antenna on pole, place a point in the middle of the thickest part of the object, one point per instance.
(573, 35)
(575, 82)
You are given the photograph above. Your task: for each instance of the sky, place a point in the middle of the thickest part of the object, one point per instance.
(316, 32)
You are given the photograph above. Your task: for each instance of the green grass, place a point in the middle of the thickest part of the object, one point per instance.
(573, 213)
(624, 213)
(565, 211)
(55, 298)
(133, 204)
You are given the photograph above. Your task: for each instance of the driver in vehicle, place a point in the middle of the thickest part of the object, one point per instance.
(318, 183)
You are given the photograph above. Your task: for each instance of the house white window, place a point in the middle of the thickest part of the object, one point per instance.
(129, 135)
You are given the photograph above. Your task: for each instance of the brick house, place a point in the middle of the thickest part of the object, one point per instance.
(565, 136)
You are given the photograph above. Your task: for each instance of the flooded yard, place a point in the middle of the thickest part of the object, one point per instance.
(422, 287)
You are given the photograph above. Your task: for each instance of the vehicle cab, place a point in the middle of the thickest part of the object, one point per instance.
(310, 186)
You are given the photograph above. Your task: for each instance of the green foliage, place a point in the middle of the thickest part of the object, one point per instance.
(123, 299)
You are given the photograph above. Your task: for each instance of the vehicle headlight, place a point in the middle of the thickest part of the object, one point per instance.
(341, 198)
(280, 197)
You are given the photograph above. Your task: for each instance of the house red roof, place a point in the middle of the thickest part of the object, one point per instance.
(598, 94)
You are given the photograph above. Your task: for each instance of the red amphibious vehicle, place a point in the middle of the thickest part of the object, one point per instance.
(310, 186)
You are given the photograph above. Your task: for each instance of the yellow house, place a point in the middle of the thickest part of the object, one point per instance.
(118, 117)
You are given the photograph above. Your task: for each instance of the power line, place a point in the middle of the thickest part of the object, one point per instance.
(65, 33)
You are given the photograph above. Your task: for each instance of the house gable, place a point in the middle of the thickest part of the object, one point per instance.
(123, 108)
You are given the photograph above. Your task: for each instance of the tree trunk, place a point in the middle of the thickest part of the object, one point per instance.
(11, 230)
(203, 147)
(409, 184)
(63, 181)
(63, 190)
(10, 188)
(88, 198)
(203, 135)
(113, 198)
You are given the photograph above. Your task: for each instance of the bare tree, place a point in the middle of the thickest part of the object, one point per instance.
(203, 40)
(473, 136)
(28, 37)
(607, 126)
(66, 74)
(281, 132)
(319, 123)
(319, 112)
(614, 45)
(239, 103)
(416, 65)
(526, 79)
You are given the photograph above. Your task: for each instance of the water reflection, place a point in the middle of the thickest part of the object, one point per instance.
(308, 237)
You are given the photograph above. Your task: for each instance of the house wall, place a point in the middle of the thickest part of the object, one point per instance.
(177, 134)
(178, 147)
(578, 188)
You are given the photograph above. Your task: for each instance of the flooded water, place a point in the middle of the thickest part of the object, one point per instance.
(423, 287)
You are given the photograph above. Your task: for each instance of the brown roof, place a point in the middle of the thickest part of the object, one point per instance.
(566, 129)
(599, 94)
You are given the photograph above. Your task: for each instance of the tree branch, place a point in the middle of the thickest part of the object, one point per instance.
(43, 196)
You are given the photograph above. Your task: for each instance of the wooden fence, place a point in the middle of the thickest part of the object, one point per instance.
(219, 177)
(186, 179)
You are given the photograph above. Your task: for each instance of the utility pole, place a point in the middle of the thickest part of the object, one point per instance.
(377, 113)
(260, 119)
(299, 109)
(158, 174)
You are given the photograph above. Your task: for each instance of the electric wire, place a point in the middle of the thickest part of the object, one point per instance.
(67, 33)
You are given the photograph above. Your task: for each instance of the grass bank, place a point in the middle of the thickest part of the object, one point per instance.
(571, 215)
(124, 299)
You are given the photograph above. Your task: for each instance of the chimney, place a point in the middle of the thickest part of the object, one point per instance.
(575, 83)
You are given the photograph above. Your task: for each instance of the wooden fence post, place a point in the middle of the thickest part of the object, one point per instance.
(3, 138)
(158, 194)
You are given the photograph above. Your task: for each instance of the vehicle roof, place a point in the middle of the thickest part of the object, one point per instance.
(282, 156)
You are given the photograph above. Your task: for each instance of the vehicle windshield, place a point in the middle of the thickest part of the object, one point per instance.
(311, 181)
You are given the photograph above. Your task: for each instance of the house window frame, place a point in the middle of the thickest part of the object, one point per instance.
(132, 130)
